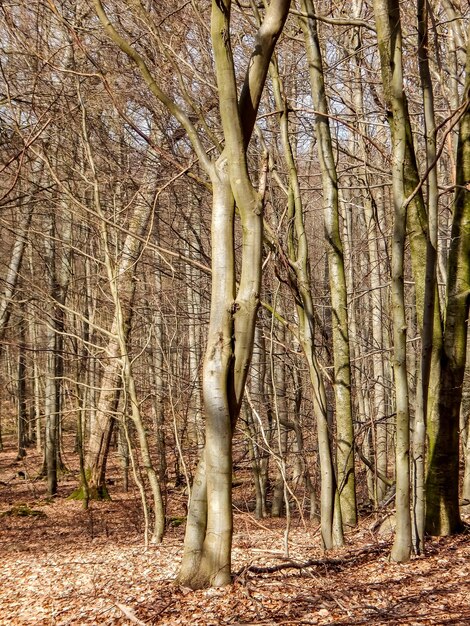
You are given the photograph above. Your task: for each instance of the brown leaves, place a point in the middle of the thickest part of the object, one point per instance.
(79, 567)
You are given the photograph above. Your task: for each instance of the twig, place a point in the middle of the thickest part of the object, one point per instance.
(289, 564)
(130, 614)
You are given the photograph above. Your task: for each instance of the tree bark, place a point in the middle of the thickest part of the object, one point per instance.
(442, 484)
(339, 307)
(206, 559)
(387, 17)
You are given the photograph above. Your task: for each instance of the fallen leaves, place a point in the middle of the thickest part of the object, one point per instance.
(77, 567)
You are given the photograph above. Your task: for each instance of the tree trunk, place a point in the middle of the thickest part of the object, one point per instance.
(110, 385)
(206, 559)
(377, 256)
(337, 279)
(442, 511)
(387, 17)
(13, 269)
(429, 342)
(22, 408)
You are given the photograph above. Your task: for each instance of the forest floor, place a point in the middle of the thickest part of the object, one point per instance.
(66, 565)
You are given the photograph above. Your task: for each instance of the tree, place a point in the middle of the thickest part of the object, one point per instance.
(297, 261)
(340, 327)
(144, 232)
(206, 559)
(442, 481)
(387, 16)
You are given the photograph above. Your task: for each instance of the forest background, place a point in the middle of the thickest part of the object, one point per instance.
(237, 256)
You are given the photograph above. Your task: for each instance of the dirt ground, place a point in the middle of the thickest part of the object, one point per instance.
(65, 565)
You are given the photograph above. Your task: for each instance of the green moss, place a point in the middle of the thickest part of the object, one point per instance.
(94, 493)
(23, 510)
(176, 521)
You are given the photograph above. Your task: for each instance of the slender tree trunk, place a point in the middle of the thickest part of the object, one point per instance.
(465, 414)
(299, 279)
(158, 383)
(387, 17)
(36, 381)
(129, 385)
(428, 347)
(51, 408)
(110, 386)
(282, 425)
(258, 451)
(340, 331)
(377, 254)
(256, 465)
(21, 395)
(16, 258)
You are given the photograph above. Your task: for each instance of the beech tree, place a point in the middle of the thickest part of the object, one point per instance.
(442, 512)
(207, 555)
(165, 172)
(340, 331)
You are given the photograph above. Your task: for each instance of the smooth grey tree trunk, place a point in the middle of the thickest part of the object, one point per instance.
(14, 266)
(207, 553)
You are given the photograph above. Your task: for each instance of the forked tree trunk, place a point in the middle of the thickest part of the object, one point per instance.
(207, 558)
(207, 552)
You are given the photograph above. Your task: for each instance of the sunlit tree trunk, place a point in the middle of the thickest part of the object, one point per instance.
(207, 552)
(233, 313)
(16, 258)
